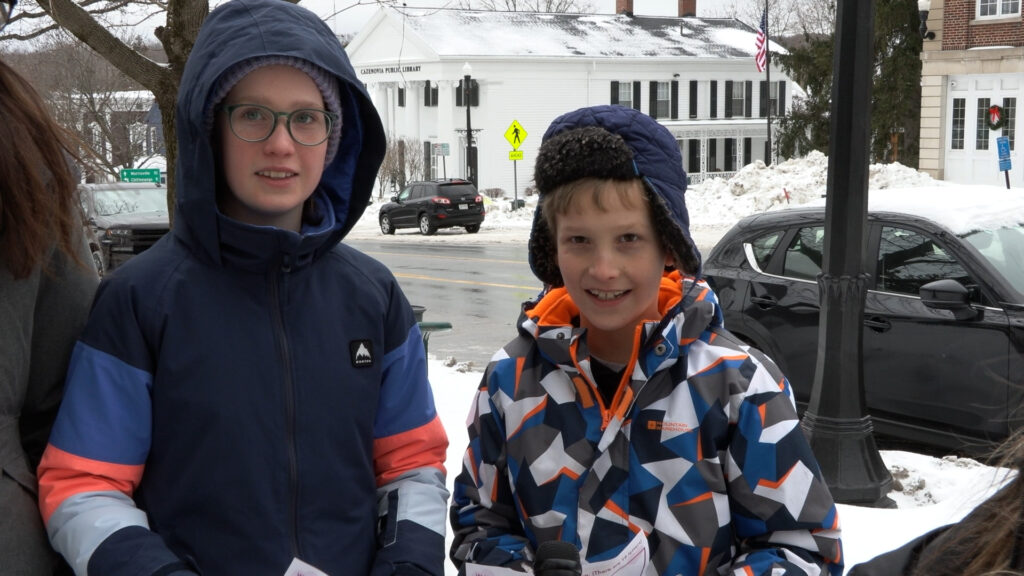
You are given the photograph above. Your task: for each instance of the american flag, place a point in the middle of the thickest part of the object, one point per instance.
(761, 43)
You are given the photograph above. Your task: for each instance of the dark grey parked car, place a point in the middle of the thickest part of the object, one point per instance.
(943, 325)
(434, 204)
(125, 219)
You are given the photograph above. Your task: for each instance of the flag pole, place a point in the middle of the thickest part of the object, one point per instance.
(768, 80)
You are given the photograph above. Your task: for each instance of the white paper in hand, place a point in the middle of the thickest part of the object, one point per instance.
(633, 561)
(300, 568)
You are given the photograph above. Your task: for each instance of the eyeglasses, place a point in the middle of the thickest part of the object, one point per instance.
(255, 123)
(6, 8)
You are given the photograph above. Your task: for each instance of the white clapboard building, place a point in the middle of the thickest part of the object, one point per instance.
(695, 75)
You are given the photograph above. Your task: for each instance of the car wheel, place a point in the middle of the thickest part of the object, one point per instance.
(426, 228)
(473, 228)
(385, 224)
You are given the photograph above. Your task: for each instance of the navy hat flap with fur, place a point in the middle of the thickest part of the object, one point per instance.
(613, 143)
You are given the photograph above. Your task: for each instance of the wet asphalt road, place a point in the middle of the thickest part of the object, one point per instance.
(478, 288)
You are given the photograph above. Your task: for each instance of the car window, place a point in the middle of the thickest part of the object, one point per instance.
(764, 246)
(1004, 249)
(127, 201)
(456, 190)
(804, 254)
(420, 192)
(405, 194)
(908, 259)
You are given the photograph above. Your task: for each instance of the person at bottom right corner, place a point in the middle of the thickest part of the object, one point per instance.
(989, 540)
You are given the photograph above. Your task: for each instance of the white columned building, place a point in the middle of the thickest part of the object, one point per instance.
(695, 75)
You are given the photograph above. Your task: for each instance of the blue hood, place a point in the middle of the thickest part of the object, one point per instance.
(243, 29)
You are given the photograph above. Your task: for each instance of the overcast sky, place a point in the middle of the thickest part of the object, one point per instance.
(352, 14)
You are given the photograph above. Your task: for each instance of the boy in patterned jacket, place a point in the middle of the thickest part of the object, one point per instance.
(624, 416)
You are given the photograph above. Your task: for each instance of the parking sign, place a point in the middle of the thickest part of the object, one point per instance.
(1003, 147)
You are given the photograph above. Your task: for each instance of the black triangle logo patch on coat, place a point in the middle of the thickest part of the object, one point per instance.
(361, 352)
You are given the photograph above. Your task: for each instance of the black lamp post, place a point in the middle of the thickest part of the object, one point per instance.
(836, 424)
(923, 7)
(467, 99)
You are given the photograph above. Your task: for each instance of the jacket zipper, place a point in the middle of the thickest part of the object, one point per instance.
(277, 292)
(608, 412)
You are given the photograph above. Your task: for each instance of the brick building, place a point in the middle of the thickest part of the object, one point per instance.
(973, 59)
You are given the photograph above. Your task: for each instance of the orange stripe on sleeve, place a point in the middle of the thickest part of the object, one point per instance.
(720, 360)
(63, 474)
(614, 509)
(421, 447)
(520, 362)
(526, 417)
(471, 466)
(777, 483)
(705, 555)
(701, 498)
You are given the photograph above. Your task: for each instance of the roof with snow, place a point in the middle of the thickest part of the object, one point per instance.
(451, 32)
(962, 208)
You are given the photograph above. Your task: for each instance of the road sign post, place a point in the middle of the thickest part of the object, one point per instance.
(1003, 147)
(443, 150)
(140, 175)
(515, 136)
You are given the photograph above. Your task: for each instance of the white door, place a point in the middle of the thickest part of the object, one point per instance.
(971, 155)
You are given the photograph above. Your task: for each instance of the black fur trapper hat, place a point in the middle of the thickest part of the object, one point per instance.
(613, 143)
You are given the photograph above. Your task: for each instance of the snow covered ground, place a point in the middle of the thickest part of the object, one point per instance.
(933, 491)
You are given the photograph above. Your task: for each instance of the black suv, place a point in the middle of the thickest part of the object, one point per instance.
(125, 218)
(434, 204)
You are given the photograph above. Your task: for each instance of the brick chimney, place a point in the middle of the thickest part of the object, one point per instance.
(625, 7)
(687, 8)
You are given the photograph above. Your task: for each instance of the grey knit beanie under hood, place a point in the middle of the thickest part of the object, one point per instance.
(613, 143)
(326, 82)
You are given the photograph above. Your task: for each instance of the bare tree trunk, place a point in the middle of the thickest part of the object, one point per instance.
(184, 18)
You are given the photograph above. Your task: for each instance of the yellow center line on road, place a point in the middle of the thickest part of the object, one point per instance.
(470, 282)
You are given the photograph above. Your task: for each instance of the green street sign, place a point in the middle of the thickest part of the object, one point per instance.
(140, 175)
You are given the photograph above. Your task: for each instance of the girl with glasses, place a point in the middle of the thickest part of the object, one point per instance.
(250, 395)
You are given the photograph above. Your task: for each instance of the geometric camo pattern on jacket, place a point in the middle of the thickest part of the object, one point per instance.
(701, 450)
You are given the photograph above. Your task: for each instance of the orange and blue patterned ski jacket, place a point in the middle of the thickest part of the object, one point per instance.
(700, 450)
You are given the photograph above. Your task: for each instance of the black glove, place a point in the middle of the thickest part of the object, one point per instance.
(557, 567)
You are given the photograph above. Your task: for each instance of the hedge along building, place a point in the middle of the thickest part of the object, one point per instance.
(973, 60)
(695, 75)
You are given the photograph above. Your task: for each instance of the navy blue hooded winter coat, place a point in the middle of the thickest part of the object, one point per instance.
(246, 395)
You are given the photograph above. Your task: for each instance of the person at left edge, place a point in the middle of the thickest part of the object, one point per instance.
(249, 391)
(47, 282)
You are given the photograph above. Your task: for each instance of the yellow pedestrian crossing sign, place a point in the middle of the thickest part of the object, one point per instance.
(515, 135)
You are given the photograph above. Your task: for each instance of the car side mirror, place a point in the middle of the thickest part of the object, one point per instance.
(394, 198)
(947, 294)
